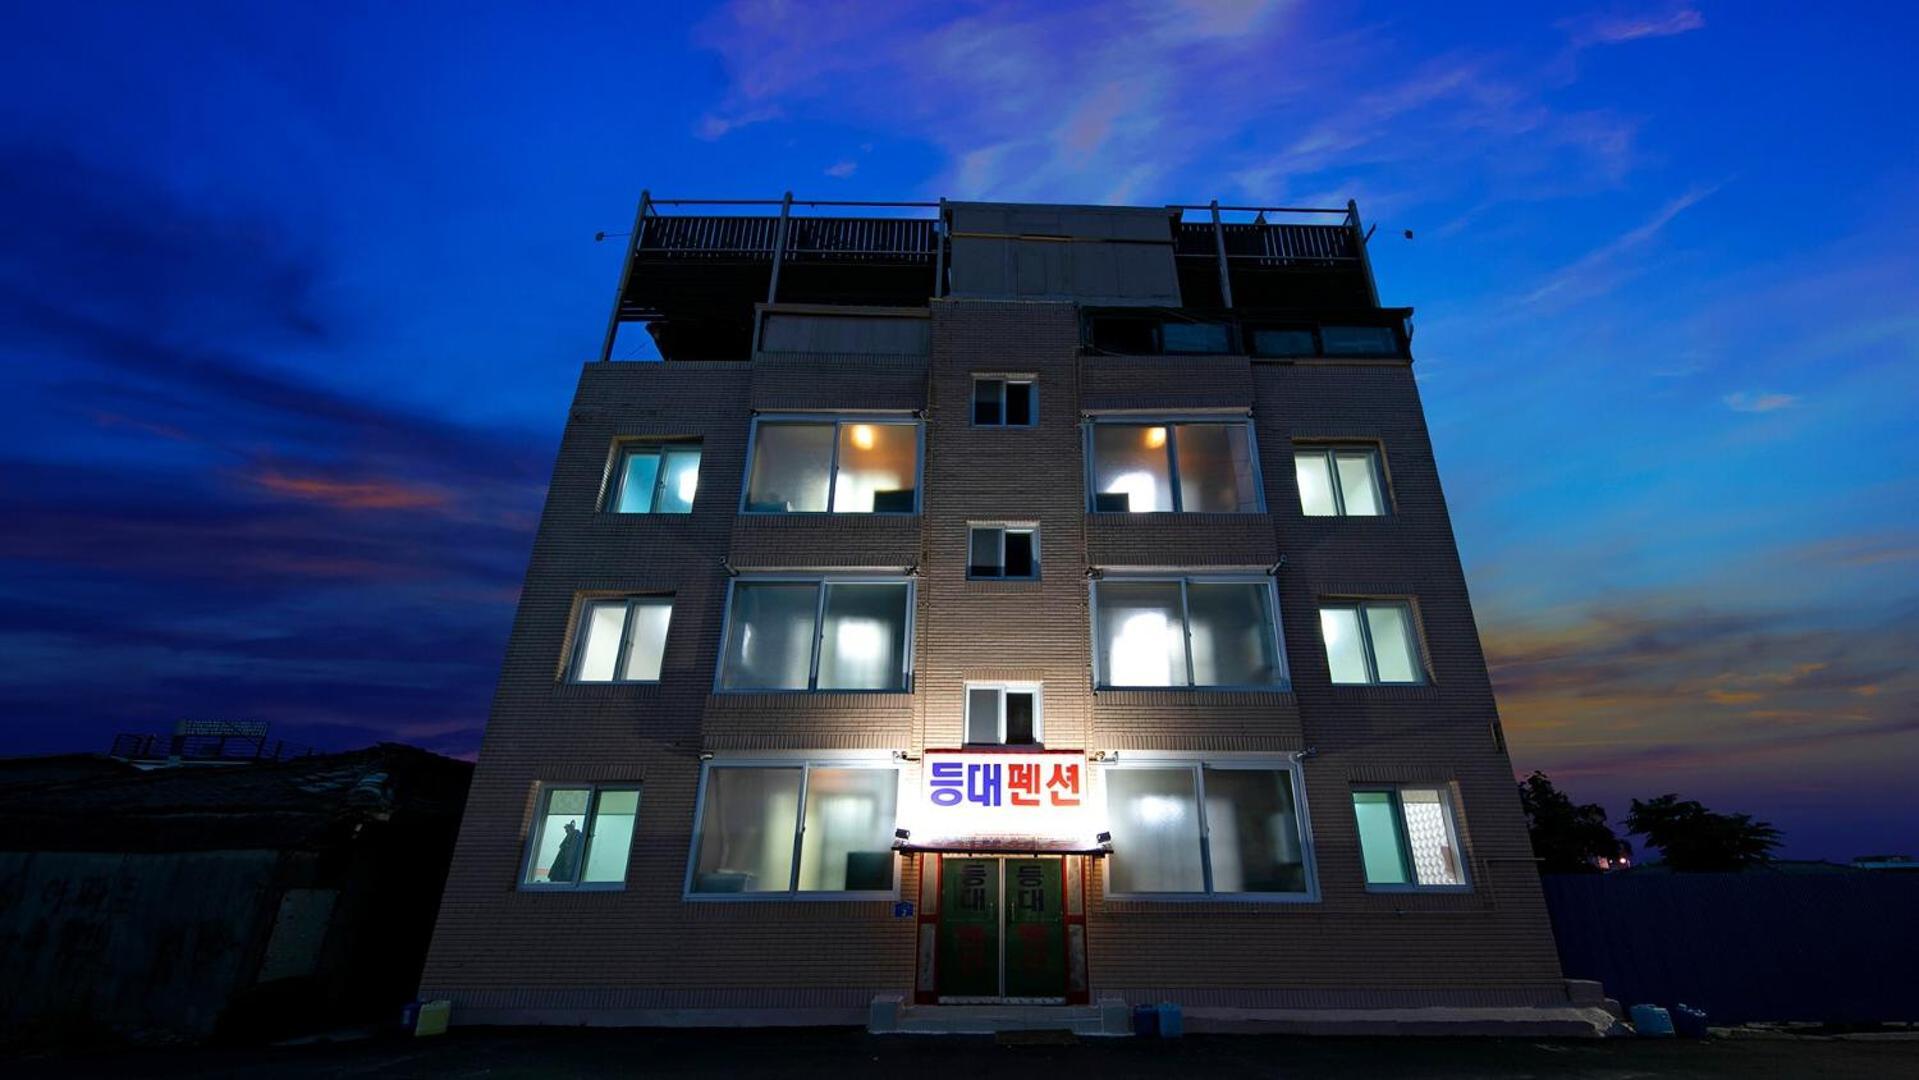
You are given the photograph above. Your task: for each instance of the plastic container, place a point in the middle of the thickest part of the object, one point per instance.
(1688, 1022)
(1146, 1021)
(433, 1017)
(1172, 1024)
(410, 1016)
(1651, 1020)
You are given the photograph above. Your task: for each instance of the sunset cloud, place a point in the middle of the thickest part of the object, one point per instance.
(351, 494)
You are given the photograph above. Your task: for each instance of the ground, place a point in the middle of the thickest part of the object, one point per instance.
(841, 1053)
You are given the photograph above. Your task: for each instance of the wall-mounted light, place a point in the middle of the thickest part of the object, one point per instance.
(863, 436)
(1105, 841)
(900, 837)
(1155, 437)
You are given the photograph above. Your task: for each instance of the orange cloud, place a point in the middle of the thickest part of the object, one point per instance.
(352, 495)
(1734, 697)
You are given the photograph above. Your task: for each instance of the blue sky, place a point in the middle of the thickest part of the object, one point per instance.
(292, 299)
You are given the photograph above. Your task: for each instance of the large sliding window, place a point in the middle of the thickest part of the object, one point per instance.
(581, 837)
(1371, 641)
(819, 634)
(789, 829)
(1173, 466)
(1186, 631)
(1188, 828)
(829, 465)
(1407, 838)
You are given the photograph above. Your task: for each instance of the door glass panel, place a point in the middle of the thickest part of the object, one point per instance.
(747, 831)
(969, 939)
(1035, 929)
(848, 843)
(1154, 815)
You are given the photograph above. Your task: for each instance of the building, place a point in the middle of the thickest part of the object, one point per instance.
(993, 603)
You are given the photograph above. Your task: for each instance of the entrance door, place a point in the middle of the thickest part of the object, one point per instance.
(1002, 928)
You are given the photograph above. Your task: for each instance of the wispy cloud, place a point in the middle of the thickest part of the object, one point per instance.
(1753, 402)
(1604, 267)
(840, 170)
(1617, 29)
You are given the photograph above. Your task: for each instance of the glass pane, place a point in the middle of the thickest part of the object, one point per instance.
(559, 838)
(1154, 817)
(983, 557)
(1141, 640)
(681, 481)
(1185, 337)
(790, 467)
(1379, 838)
(1019, 404)
(1358, 483)
(1019, 554)
(747, 831)
(982, 714)
(986, 394)
(878, 468)
(1429, 835)
(848, 845)
(639, 469)
(600, 629)
(1019, 718)
(1283, 343)
(864, 643)
(1360, 340)
(1345, 654)
(646, 639)
(1216, 469)
(1315, 484)
(1232, 630)
(1131, 460)
(769, 644)
(1391, 628)
(1252, 829)
(612, 837)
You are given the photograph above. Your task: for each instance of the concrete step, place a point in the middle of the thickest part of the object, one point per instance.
(893, 1016)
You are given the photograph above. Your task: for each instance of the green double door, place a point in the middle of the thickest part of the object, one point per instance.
(1002, 928)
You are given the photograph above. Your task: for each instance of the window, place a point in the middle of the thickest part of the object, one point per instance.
(581, 837)
(1186, 632)
(768, 831)
(1206, 829)
(1002, 551)
(1211, 339)
(1359, 340)
(786, 634)
(1003, 714)
(1005, 402)
(834, 467)
(655, 479)
(1284, 341)
(621, 640)
(1371, 642)
(1188, 467)
(1407, 839)
(1339, 481)
(1132, 335)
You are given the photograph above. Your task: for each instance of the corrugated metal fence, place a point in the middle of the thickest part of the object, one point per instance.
(1836, 948)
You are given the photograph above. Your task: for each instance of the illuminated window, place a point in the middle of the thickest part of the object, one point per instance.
(1371, 641)
(655, 479)
(581, 838)
(812, 634)
(1407, 838)
(1005, 402)
(1186, 632)
(1339, 481)
(1003, 713)
(1174, 466)
(621, 640)
(1002, 551)
(767, 831)
(836, 466)
(1206, 829)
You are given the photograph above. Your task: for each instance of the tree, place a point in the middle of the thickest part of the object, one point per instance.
(1693, 838)
(1568, 837)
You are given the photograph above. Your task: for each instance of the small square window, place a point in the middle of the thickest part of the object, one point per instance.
(1003, 714)
(655, 479)
(1004, 402)
(1371, 642)
(621, 640)
(1339, 481)
(1007, 552)
(1408, 838)
(581, 837)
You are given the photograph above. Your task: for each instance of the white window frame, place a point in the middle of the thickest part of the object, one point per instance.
(1285, 681)
(1003, 527)
(805, 762)
(616, 482)
(819, 629)
(1326, 451)
(1171, 422)
(580, 621)
(588, 822)
(1039, 710)
(1448, 803)
(1417, 644)
(1199, 762)
(836, 421)
(1032, 410)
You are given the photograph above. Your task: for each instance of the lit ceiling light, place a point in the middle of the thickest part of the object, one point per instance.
(863, 436)
(1155, 437)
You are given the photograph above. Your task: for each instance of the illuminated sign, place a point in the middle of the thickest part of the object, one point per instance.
(985, 800)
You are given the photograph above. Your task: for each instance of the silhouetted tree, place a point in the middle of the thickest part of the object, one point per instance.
(1694, 838)
(1568, 837)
